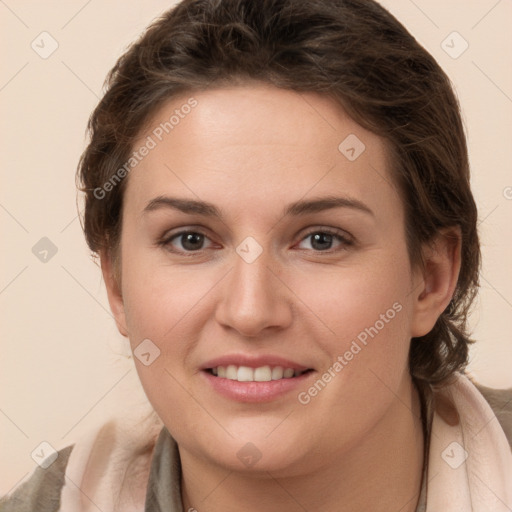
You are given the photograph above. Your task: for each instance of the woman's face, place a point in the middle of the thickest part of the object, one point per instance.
(263, 237)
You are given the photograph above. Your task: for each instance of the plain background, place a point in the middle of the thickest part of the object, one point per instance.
(62, 363)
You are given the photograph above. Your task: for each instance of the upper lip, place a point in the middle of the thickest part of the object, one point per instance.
(253, 362)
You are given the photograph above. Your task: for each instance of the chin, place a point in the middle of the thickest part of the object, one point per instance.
(258, 452)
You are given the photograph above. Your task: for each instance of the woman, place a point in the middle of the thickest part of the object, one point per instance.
(278, 192)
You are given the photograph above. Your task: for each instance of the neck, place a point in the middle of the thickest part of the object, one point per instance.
(383, 472)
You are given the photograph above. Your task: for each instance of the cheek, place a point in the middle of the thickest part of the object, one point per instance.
(363, 327)
(157, 296)
(352, 300)
(159, 303)
(163, 305)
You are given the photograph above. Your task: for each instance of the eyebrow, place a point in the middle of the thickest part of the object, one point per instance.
(297, 208)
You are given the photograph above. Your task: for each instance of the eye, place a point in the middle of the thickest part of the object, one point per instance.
(322, 240)
(185, 241)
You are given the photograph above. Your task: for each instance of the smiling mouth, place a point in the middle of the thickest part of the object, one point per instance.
(260, 374)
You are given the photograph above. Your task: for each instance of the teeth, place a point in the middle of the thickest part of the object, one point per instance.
(245, 374)
(277, 373)
(231, 372)
(288, 373)
(261, 374)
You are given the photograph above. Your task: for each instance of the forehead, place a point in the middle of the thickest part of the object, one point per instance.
(262, 143)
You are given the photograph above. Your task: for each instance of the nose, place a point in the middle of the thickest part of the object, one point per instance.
(254, 298)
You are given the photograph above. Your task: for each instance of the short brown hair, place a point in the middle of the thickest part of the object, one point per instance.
(353, 51)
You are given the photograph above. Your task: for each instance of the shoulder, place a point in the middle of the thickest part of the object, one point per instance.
(500, 401)
(42, 490)
(113, 452)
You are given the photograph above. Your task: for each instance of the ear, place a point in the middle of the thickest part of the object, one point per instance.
(114, 294)
(435, 282)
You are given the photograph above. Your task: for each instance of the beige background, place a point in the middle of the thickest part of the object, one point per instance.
(62, 368)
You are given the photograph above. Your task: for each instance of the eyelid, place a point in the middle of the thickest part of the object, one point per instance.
(345, 235)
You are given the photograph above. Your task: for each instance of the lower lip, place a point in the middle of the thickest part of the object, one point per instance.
(254, 391)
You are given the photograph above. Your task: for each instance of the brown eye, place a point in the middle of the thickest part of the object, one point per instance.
(185, 241)
(192, 241)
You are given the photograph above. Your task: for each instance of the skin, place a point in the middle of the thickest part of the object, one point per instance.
(251, 150)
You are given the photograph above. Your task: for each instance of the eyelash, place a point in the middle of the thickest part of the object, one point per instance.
(339, 235)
